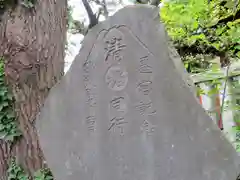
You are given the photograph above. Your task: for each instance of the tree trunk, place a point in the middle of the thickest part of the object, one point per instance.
(33, 45)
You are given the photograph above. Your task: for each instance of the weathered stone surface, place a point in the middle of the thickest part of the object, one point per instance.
(174, 56)
(123, 112)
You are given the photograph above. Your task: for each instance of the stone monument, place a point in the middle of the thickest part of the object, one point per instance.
(123, 112)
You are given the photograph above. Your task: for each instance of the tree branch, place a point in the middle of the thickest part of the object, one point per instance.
(105, 11)
(104, 6)
(196, 49)
(227, 19)
(92, 17)
(99, 13)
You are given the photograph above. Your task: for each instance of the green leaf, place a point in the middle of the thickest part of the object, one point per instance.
(4, 103)
(238, 54)
(237, 47)
(2, 127)
(10, 97)
(216, 45)
(1, 107)
(10, 115)
(2, 135)
(2, 92)
(10, 137)
(230, 4)
(12, 176)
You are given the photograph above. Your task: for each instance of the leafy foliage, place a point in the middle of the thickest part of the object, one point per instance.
(28, 3)
(43, 174)
(16, 172)
(69, 17)
(199, 27)
(8, 126)
(11, 4)
(74, 26)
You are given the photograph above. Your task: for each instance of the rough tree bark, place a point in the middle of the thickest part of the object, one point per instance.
(33, 44)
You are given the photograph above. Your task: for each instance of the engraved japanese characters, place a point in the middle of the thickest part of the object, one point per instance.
(116, 79)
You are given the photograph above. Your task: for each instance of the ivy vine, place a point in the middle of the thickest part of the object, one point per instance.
(9, 130)
(11, 4)
(28, 3)
(43, 174)
(16, 172)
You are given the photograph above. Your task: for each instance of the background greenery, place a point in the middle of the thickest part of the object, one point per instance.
(202, 30)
